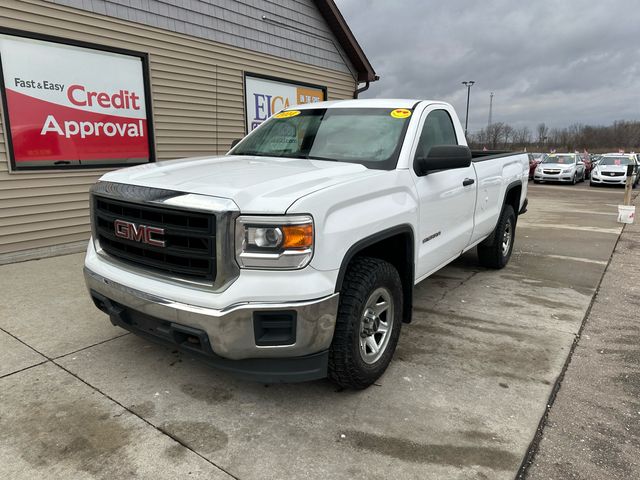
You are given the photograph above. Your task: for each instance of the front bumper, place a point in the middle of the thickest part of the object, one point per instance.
(226, 336)
(557, 177)
(608, 180)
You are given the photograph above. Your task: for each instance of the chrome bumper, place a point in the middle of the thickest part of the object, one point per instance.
(230, 330)
(609, 180)
(561, 177)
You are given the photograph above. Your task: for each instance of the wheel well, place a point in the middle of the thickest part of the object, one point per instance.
(394, 246)
(513, 197)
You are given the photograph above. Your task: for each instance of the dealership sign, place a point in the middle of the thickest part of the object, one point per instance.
(72, 106)
(264, 97)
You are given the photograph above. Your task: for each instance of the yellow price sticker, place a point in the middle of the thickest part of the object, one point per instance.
(400, 113)
(287, 114)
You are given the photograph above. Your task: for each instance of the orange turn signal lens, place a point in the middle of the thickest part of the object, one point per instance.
(298, 236)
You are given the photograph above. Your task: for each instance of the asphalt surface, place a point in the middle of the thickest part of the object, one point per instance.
(463, 397)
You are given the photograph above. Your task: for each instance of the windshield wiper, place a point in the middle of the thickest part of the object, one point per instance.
(314, 157)
(260, 154)
(275, 155)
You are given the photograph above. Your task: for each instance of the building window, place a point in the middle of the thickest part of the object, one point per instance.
(265, 96)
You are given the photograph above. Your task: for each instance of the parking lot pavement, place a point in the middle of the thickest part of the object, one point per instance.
(53, 425)
(44, 304)
(593, 429)
(462, 398)
(16, 355)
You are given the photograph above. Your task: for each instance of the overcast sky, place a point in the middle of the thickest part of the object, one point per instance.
(559, 62)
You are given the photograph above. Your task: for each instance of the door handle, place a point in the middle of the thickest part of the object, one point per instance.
(468, 181)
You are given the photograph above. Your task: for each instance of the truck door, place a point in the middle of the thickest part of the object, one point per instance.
(447, 198)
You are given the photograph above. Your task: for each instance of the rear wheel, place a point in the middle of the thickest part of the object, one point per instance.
(495, 251)
(368, 323)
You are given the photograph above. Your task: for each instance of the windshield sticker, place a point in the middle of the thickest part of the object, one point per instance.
(400, 113)
(287, 114)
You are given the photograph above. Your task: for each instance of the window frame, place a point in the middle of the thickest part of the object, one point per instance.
(420, 130)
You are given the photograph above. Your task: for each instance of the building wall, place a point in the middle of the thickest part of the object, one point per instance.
(197, 103)
(291, 29)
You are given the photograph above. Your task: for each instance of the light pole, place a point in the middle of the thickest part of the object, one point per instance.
(490, 109)
(466, 120)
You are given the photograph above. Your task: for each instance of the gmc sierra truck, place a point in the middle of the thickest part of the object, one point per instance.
(294, 256)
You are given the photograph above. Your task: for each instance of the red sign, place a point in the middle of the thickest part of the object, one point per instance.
(71, 106)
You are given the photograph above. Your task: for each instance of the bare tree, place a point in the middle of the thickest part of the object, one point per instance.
(507, 135)
(495, 132)
(622, 134)
(522, 136)
(543, 133)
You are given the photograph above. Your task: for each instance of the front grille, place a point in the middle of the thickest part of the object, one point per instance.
(614, 174)
(551, 172)
(190, 242)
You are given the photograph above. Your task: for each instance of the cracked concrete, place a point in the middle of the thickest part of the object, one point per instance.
(462, 398)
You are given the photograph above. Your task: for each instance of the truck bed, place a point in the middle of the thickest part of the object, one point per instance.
(482, 155)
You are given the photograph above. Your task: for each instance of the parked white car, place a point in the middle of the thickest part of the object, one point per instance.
(560, 167)
(294, 256)
(612, 169)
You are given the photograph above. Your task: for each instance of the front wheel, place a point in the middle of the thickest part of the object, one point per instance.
(575, 179)
(495, 251)
(368, 323)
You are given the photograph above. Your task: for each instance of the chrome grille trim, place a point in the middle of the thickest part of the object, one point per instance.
(225, 211)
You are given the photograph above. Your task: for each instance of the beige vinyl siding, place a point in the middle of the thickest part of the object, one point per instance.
(198, 109)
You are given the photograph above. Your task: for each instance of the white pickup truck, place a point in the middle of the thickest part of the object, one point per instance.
(294, 256)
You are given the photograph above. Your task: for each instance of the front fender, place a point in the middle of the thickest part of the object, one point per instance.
(347, 213)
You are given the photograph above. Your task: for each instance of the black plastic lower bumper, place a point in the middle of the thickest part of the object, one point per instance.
(192, 340)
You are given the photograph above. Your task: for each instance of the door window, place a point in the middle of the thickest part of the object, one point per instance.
(437, 130)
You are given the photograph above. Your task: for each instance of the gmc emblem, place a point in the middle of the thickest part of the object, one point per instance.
(138, 233)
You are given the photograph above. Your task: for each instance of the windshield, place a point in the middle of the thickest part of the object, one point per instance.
(615, 161)
(561, 159)
(370, 136)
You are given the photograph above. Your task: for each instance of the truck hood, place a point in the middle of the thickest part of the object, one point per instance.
(255, 184)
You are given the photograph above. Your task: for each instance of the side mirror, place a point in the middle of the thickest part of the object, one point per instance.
(443, 157)
(235, 142)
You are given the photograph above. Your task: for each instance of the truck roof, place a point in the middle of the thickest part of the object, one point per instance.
(367, 103)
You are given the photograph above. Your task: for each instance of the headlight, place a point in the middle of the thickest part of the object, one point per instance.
(539, 169)
(568, 170)
(284, 242)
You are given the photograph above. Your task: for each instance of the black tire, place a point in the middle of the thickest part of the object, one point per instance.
(536, 181)
(347, 366)
(575, 179)
(491, 253)
(591, 184)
